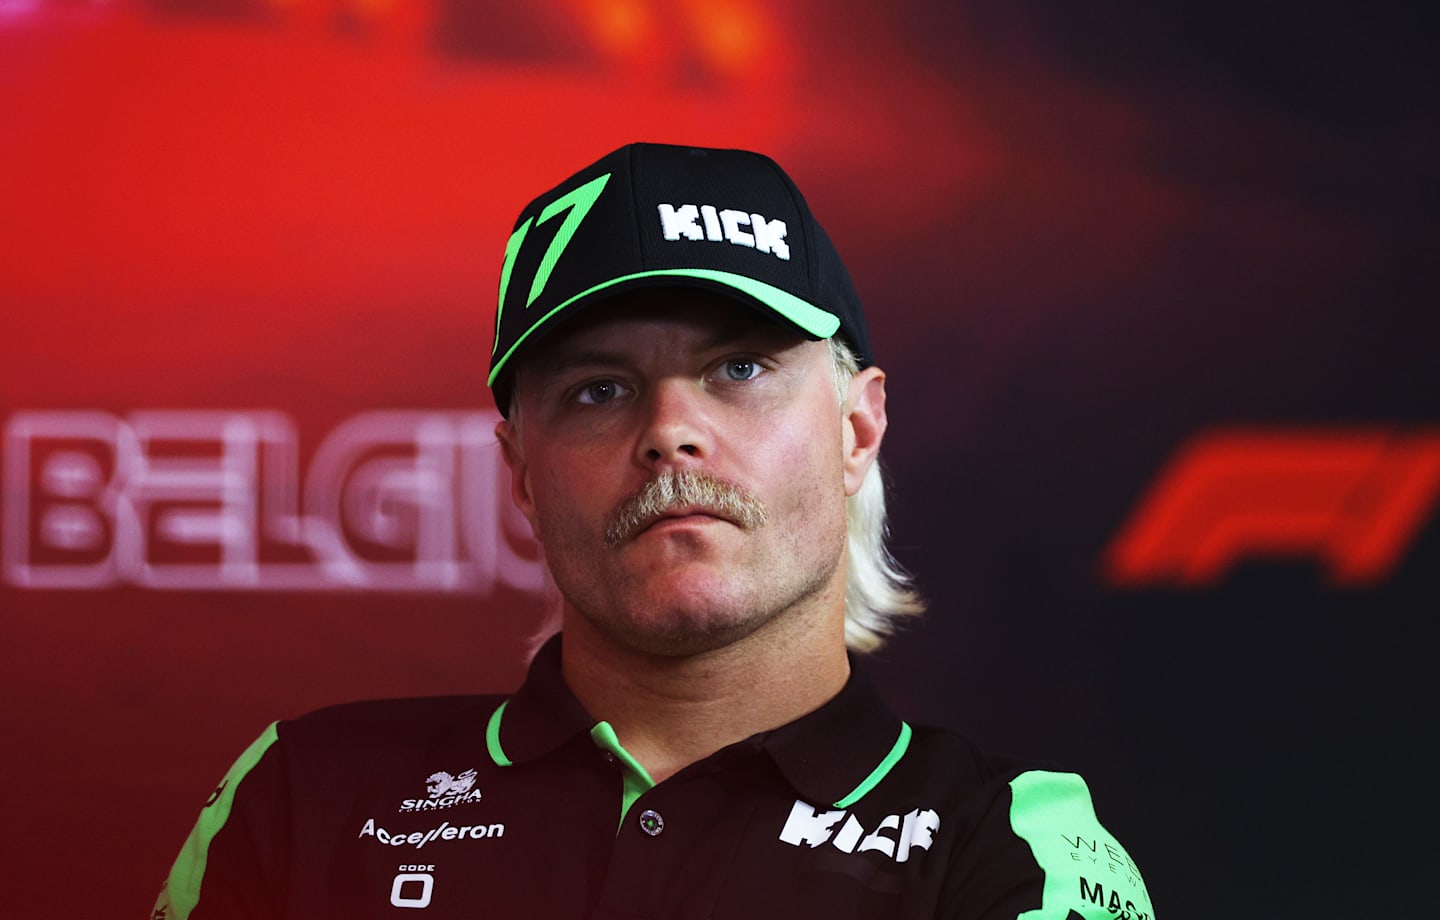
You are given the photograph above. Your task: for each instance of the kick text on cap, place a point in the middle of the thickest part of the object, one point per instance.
(724, 225)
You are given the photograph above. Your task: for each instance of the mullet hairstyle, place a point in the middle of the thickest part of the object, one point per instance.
(878, 591)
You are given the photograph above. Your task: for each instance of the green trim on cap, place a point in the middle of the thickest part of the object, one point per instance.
(902, 744)
(637, 778)
(182, 889)
(492, 736)
(813, 320)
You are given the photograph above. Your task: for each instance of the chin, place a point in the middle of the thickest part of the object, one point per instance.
(685, 631)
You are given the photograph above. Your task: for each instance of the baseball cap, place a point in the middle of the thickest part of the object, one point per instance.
(648, 215)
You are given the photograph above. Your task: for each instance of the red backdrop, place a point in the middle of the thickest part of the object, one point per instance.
(1156, 321)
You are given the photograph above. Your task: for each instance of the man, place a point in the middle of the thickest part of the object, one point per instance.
(692, 425)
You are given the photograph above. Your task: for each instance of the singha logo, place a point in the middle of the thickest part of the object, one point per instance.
(445, 791)
(440, 784)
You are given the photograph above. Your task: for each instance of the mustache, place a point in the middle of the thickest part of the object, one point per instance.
(684, 490)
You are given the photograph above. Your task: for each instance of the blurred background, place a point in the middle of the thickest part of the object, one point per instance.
(1153, 284)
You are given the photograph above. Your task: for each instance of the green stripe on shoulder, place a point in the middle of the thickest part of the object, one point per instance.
(1087, 873)
(182, 889)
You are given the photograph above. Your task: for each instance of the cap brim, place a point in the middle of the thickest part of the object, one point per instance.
(803, 315)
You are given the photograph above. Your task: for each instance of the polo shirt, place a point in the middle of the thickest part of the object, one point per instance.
(527, 807)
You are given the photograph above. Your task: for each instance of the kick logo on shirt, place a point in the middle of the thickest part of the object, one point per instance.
(445, 791)
(913, 830)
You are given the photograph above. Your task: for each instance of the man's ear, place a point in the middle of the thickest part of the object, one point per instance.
(865, 422)
(508, 434)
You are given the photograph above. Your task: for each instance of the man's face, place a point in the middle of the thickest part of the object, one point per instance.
(686, 388)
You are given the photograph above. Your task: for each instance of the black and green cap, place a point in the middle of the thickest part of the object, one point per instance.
(650, 215)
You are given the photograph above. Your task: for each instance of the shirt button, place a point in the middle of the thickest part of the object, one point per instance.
(651, 822)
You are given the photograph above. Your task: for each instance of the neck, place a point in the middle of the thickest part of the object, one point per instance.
(671, 711)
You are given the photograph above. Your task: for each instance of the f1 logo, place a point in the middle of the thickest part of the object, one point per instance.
(1351, 499)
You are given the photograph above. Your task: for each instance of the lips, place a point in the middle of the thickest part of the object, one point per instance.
(683, 513)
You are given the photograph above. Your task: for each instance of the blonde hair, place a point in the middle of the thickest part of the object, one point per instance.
(878, 590)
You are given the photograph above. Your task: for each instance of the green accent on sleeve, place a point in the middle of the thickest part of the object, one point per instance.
(637, 779)
(807, 316)
(902, 744)
(1087, 873)
(182, 889)
(492, 736)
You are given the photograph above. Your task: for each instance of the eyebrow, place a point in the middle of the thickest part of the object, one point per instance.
(566, 361)
(725, 338)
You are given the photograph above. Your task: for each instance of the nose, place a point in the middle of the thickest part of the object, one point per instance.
(677, 429)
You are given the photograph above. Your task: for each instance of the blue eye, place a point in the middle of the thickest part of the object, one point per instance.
(741, 369)
(600, 391)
